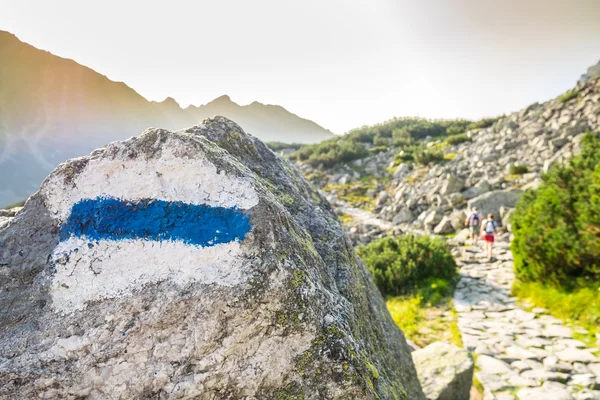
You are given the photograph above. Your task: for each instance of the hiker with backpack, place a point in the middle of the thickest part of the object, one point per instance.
(472, 222)
(488, 232)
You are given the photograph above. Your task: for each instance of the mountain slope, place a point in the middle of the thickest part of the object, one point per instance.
(53, 108)
(432, 183)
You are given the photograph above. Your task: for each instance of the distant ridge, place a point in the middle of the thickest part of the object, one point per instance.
(52, 109)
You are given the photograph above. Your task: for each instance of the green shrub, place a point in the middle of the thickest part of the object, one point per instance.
(425, 157)
(517, 169)
(457, 139)
(381, 140)
(482, 123)
(377, 149)
(278, 146)
(570, 95)
(331, 152)
(557, 226)
(401, 264)
(404, 157)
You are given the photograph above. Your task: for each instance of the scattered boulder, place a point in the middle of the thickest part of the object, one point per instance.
(445, 371)
(480, 188)
(401, 171)
(444, 227)
(455, 200)
(433, 218)
(457, 219)
(492, 201)
(405, 215)
(452, 184)
(195, 264)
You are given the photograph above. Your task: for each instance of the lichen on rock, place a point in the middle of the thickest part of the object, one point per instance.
(142, 303)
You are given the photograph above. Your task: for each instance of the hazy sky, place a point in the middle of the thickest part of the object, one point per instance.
(341, 63)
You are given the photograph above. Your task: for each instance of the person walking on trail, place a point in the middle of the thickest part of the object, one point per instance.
(472, 222)
(488, 232)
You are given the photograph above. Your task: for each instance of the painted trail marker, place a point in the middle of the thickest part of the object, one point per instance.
(139, 221)
(107, 218)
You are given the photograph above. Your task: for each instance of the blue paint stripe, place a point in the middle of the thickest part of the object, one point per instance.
(115, 219)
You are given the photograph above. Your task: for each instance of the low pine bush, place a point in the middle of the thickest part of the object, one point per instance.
(425, 157)
(403, 264)
(570, 95)
(557, 226)
(457, 139)
(517, 169)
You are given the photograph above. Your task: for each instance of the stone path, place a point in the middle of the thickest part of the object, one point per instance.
(520, 355)
(363, 217)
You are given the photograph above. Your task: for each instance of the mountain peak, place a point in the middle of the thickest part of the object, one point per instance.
(170, 102)
(222, 99)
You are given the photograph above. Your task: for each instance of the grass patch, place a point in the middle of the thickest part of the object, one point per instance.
(417, 176)
(577, 307)
(511, 177)
(354, 193)
(449, 156)
(426, 315)
(345, 219)
(570, 95)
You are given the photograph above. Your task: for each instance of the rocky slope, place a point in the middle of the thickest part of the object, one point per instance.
(479, 172)
(52, 109)
(195, 264)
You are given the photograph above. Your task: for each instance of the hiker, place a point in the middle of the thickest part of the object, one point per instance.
(488, 232)
(472, 222)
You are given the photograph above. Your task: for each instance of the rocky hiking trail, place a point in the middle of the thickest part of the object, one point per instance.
(519, 354)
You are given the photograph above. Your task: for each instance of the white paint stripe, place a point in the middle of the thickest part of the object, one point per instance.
(169, 178)
(116, 268)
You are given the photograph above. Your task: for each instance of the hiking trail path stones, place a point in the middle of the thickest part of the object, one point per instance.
(192, 264)
(519, 354)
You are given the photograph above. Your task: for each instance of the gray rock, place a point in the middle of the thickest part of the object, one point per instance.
(595, 369)
(547, 391)
(452, 184)
(480, 188)
(271, 303)
(492, 365)
(572, 355)
(492, 201)
(433, 218)
(456, 199)
(401, 171)
(557, 331)
(445, 371)
(444, 227)
(492, 382)
(405, 215)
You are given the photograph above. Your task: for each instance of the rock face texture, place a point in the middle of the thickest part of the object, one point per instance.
(445, 371)
(195, 264)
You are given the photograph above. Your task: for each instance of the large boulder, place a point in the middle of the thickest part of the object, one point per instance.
(444, 227)
(405, 215)
(445, 371)
(491, 202)
(432, 218)
(195, 264)
(452, 184)
(480, 188)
